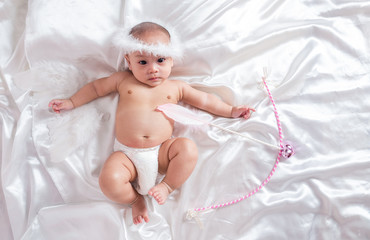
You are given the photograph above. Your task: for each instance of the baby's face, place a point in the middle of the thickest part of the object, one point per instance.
(147, 68)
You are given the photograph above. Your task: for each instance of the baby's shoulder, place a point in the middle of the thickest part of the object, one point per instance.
(121, 75)
(177, 83)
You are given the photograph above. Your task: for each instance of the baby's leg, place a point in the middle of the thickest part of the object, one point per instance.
(177, 158)
(115, 182)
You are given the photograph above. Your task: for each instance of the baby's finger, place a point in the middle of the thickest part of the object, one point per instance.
(56, 108)
(248, 114)
(51, 103)
(252, 109)
(54, 102)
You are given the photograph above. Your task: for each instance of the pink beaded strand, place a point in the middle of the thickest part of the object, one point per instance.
(267, 180)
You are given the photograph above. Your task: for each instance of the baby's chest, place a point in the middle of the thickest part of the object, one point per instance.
(150, 96)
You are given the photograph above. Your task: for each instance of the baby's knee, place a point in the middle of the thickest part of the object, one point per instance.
(109, 182)
(113, 175)
(188, 147)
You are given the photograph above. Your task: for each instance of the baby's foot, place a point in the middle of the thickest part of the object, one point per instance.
(139, 211)
(160, 192)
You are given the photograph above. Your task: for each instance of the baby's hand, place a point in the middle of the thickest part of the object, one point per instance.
(242, 111)
(61, 104)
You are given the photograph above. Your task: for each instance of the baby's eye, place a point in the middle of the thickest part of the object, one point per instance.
(161, 60)
(142, 62)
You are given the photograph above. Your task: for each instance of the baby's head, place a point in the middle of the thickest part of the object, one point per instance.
(151, 33)
(148, 53)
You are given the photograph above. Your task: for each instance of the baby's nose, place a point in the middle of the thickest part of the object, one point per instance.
(153, 68)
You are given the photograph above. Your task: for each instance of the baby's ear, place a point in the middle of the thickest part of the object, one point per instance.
(128, 61)
(171, 59)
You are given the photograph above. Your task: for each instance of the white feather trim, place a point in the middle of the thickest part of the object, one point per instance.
(127, 43)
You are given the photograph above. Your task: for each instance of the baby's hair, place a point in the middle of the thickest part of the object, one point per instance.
(140, 28)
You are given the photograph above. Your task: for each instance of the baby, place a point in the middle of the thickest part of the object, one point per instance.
(144, 144)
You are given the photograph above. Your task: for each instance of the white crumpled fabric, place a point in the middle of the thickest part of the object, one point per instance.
(317, 54)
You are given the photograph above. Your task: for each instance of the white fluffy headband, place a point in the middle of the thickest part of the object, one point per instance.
(128, 43)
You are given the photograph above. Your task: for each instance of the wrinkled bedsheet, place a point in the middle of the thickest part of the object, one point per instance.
(317, 54)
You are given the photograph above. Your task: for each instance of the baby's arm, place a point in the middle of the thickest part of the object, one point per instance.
(88, 93)
(213, 104)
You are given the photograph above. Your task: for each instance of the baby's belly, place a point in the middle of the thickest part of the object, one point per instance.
(142, 129)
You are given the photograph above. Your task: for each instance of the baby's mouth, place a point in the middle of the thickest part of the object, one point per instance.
(154, 78)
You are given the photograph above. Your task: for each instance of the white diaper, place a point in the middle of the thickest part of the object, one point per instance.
(146, 163)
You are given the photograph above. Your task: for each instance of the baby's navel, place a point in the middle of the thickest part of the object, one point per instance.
(168, 97)
(129, 91)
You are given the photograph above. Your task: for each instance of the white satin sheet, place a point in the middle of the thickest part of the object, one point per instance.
(317, 53)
